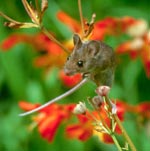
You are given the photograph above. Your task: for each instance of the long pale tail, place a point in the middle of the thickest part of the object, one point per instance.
(57, 98)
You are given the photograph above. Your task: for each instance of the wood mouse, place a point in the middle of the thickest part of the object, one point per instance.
(94, 59)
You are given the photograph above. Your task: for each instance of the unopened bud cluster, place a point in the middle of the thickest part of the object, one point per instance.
(80, 108)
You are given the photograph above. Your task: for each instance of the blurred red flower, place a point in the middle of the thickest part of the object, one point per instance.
(83, 130)
(70, 81)
(50, 54)
(121, 110)
(51, 117)
(143, 109)
(139, 46)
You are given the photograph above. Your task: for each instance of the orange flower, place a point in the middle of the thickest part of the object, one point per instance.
(49, 118)
(50, 54)
(100, 28)
(70, 22)
(27, 106)
(103, 28)
(121, 109)
(83, 130)
(104, 137)
(86, 127)
(12, 40)
(139, 45)
(143, 109)
(70, 81)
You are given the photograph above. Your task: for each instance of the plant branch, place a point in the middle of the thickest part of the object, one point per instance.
(50, 36)
(81, 17)
(116, 142)
(126, 136)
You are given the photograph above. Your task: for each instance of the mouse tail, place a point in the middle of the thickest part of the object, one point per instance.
(56, 99)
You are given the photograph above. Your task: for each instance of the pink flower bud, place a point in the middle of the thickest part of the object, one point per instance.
(103, 90)
(80, 108)
(97, 101)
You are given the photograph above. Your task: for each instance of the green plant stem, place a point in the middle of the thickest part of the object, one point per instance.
(126, 136)
(51, 37)
(124, 133)
(116, 142)
(81, 17)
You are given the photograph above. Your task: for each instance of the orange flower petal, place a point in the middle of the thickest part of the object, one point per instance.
(79, 131)
(72, 23)
(12, 40)
(143, 109)
(106, 138)
(49, 126)
(27, 106)
(82, 130)
(145, 54)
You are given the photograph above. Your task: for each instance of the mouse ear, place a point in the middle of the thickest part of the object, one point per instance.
(77, 41)
(93, 48)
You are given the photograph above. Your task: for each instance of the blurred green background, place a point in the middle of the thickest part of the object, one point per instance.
(21, 80)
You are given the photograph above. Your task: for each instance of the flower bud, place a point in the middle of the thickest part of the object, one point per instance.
(97, 101)
(80, 108)
(103, 90)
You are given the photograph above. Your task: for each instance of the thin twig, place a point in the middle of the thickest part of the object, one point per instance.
(126, 136)
(124, 133)
(81, 17)
(8, 18)
(50, 36)
(38, 9)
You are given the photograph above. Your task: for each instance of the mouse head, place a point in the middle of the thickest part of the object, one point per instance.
(82, 59)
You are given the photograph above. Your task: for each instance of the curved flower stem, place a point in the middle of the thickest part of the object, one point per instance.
(51, 37)
(116, 142)
(124, 133)
(126, 136)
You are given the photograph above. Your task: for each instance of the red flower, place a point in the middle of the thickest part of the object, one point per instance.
(121, 109)
(139, 46)
(103, 28)
(70, 22)
(12, 40)
(49, 118)
(70, 81)
(143, 109)
(27, 106)
(83, 130)
(52, 54)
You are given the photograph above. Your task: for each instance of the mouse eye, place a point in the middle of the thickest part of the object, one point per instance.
(80, 63)
(68, 58)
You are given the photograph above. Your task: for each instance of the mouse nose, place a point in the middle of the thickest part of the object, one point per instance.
(67, 72)
(70, 72)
